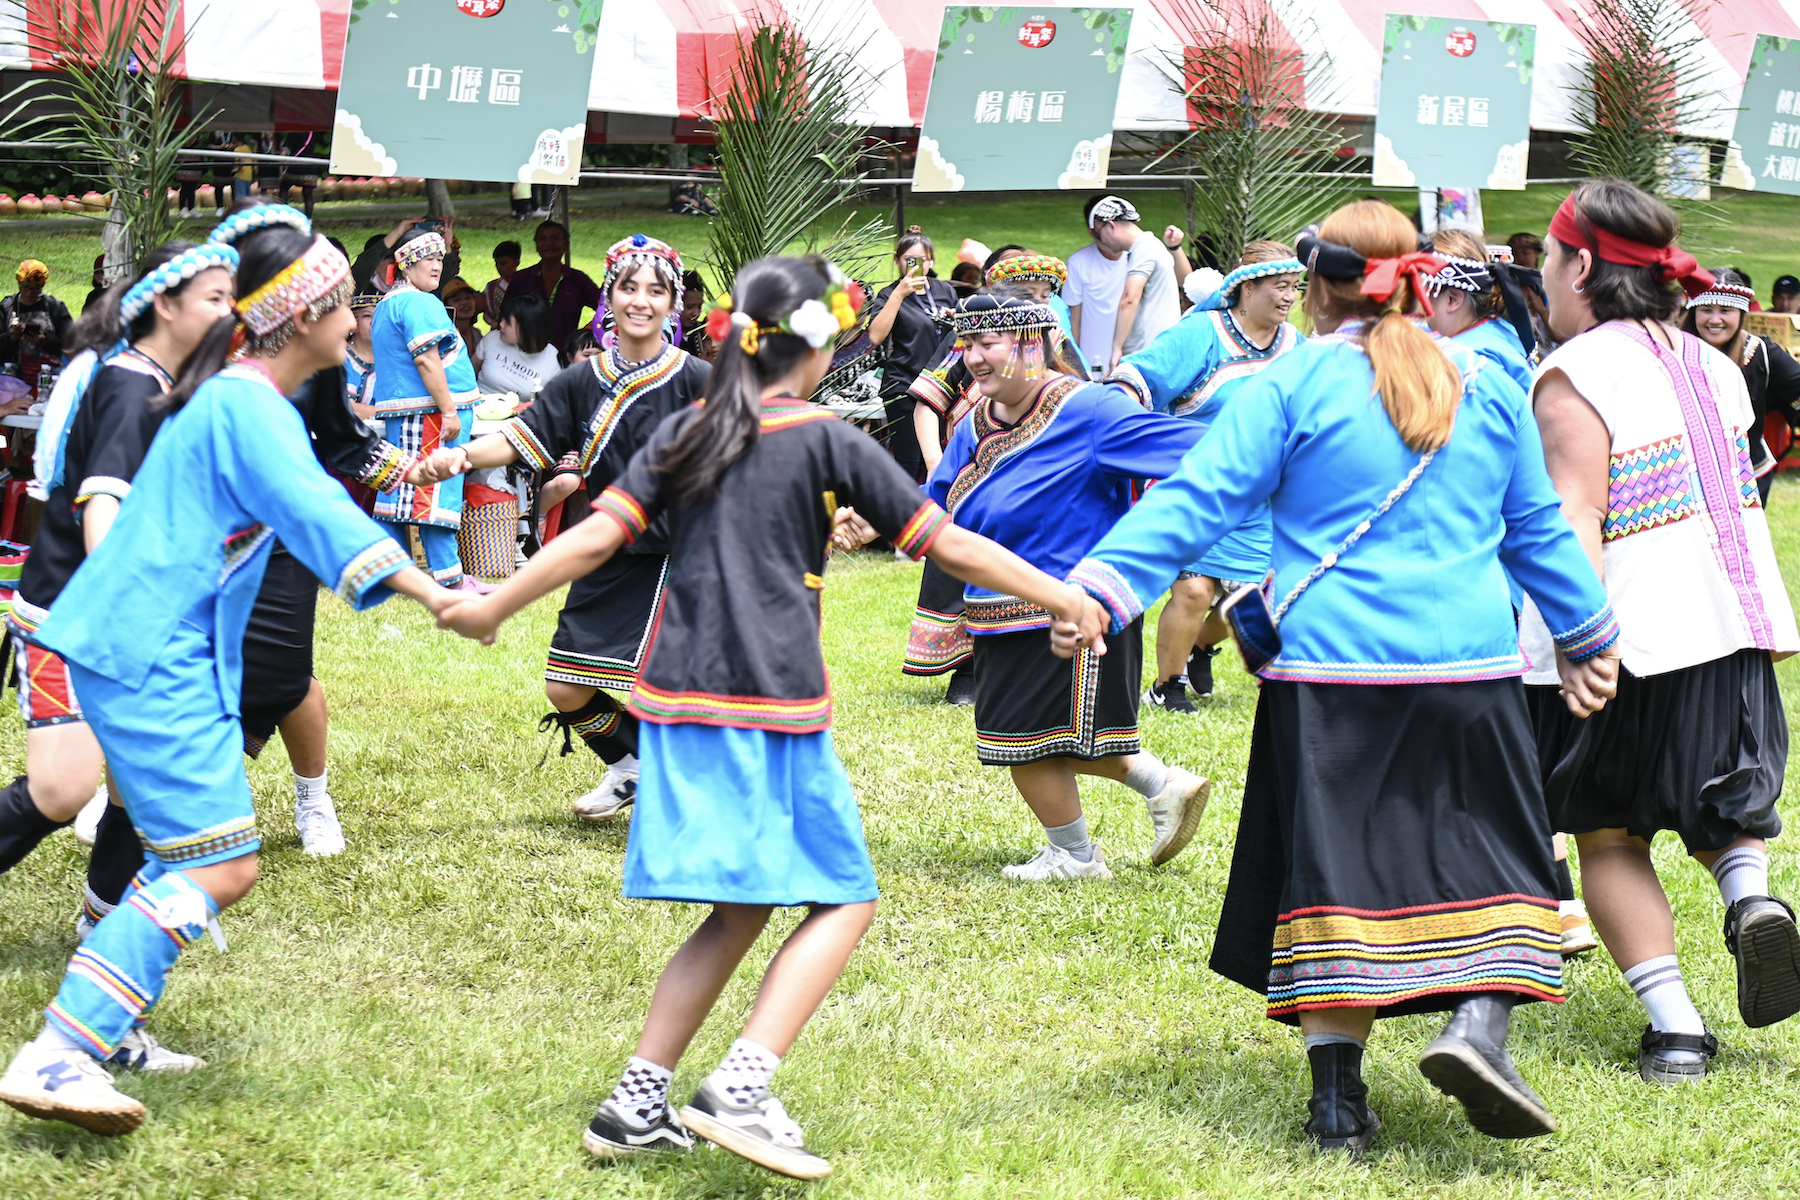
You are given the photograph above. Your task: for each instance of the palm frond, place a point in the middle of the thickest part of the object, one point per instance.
(1269, 158)
(790, 153)
(116, 100)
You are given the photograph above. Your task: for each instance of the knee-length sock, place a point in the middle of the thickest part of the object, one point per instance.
(22, 826)
(118, 855)
(119, 973)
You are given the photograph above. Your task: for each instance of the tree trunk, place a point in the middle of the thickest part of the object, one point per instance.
(437, 199)
(115, 243)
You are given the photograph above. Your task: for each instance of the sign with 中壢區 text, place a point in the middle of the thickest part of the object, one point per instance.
(466, 89)
(1455, 103)
(1022, 98)
(1764, 155)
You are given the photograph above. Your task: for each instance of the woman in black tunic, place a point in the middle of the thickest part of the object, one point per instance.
(602, 410)
(907, 321)
(1770, 372)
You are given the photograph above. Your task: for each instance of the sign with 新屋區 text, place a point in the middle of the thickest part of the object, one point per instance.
(1022, 98)
(1455, 103)
(466, 89)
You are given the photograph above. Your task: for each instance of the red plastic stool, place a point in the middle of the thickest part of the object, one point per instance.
(10, 508)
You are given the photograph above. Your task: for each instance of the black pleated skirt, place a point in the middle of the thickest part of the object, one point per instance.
(278, 646)
(1032, 705)
(1393, 851)
(1700, 752)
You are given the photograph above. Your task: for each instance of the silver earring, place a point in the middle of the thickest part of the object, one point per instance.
(1577, 288)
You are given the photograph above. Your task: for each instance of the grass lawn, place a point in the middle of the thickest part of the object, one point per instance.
(437, 1011)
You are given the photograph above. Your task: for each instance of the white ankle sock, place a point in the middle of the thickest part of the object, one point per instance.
(1334, 1039)
(1072, 837)
(1659, 988)
(1571, 908)
(746, 1071)
(1742, 872)
(308, 785)
(643, 1091)
(1146, 775)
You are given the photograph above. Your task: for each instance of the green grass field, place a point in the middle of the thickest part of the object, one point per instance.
(437, 1011)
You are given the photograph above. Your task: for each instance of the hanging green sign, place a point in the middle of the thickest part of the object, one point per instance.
(1765, 146)
(1022, 98)
(1455, 103)
(466, 89)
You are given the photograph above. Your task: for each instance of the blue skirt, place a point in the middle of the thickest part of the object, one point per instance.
(744, 816)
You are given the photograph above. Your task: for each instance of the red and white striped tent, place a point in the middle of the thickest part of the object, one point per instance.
(659, 60)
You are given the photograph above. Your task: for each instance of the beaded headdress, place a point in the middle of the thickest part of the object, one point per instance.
(1239, 276)
(642, 250)
(411, 254)
(816, 322)
(1463, 274)
(1029, 268)
(1725, 295)
(173, 274)
(364, 301)
(315, 283)
(262, 216)
(1034, 325)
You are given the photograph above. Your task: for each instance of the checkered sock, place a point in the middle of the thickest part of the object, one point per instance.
(1742, 872)
(643, 1092)
(746, 1072)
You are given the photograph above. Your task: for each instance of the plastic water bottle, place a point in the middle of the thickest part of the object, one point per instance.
(45, 381)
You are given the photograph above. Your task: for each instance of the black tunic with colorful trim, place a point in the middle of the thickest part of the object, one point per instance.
(737, 641)
(604, 410)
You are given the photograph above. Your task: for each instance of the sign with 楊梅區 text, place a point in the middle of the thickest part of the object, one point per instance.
(1022, 98)
(1455, 103)
(466, 89)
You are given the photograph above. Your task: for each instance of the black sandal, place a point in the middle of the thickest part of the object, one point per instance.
(1654, 1065)
(1761, 934)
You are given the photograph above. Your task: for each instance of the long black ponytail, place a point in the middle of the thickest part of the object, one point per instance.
(765, 292)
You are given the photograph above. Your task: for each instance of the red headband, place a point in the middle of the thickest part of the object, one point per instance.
(1673, 262)
(1382, 275)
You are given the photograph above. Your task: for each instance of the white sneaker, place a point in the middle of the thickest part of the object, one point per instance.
(1053, 862)
(67, 1085)
(316, 816)
(87, 821)
(617, 791)
(142, 1052)
(1175, 813)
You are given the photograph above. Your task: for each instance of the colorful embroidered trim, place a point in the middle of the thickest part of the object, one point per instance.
(936, 643)
(239, 834)
(1296, 670)
(1725, 295)
(1237, 277)
(624, 508)
(118, 986)
(1127, 376)
(1649, 487)
(1335, 957)
(173, 274)
(1003, 614)
(241, 547)
(585, 670)
(1078, 739)
(995, 443)
(371, 565)
(1103, 583)
(624, 385)
(736, 712)
(1593, 636)
(412, 253)
(532, 452)
(309, 281)
(1030, 268)
(641, 250)
(1747, 474)
(917, 535)
(387, 468)
(996, 314)
(787, 418)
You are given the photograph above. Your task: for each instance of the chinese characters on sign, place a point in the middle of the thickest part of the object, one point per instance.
(1477, 136)
(1456, 110)
(465, 83)
(988, 106)
(1768, 121)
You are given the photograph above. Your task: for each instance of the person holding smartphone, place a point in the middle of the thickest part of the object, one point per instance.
(906, 322)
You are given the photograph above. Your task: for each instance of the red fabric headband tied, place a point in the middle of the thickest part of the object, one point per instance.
(1382, 275)
(1674, 263)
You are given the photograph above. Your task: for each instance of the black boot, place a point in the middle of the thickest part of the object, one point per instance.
(1469, 1062)
(961, 691)
(117, 856)
(22, 826)
(1341, 1117)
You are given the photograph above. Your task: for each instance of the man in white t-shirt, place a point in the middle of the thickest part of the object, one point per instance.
(1096, 281)
(1149, 302)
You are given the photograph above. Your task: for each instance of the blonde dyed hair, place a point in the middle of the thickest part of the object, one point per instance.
(1418, 384)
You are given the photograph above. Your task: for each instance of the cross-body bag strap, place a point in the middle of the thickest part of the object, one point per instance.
(1331, 560)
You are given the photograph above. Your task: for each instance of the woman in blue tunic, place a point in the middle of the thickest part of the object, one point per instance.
(230, 471)
(1393, 855)
(742, 803)
(425, 389)
(1469, 302)
(1044, 465)
(1192, 370)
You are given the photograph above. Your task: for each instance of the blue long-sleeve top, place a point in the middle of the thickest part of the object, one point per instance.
(1497, 341)
(1048, 486)
(1421, 598)
(226, 475)
(1193, 369)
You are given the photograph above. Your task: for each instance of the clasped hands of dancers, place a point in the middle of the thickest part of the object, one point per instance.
(1392, 700)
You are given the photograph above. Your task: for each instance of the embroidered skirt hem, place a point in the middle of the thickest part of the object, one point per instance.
(606, 621)
(939, 640)
(1031, 705)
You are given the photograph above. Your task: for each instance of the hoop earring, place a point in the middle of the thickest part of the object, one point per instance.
(1577, 288)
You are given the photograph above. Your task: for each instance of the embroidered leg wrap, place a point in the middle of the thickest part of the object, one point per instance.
(118, 855)
(603, 726)
(119, 973)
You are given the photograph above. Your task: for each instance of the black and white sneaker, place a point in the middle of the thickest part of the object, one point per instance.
(611, 1135)
(961, 691)
(1199, 671)
(1170, 697)
(761, 1132)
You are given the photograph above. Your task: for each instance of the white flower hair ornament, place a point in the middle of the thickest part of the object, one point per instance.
(814, 323)
(1202, 286)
